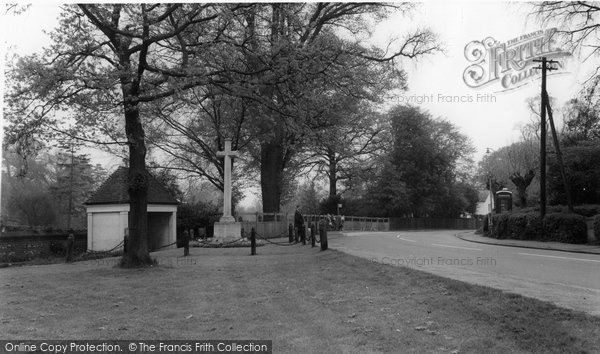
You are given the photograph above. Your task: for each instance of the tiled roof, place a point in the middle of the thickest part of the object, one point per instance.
(114, 190)
(483, 194)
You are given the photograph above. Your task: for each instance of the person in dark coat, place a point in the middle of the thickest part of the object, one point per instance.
(70, 245)
(298, 222)
(186, 243)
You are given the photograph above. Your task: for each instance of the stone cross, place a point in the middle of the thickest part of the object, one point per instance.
(226, 154)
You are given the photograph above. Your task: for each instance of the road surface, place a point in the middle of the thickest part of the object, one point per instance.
(570, 280)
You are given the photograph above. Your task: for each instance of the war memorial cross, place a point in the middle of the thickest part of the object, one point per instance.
(227, 153)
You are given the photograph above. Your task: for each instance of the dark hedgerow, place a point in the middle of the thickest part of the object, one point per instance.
(499, 227)
(568, 228)
(559, 227)
(524, 226)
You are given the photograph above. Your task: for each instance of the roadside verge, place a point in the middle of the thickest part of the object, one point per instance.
(553, 246)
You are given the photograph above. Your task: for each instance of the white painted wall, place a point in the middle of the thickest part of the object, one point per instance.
(484, 208)
(107, 224)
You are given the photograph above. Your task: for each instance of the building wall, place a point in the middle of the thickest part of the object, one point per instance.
(108, 223)
(159, 230)
(483, 208)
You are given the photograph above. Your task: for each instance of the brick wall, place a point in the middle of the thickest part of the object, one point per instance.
(18, 247)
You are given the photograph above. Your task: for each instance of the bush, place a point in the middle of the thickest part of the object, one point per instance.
(583, 166)
(197, 215)
(524, 226)
(587, 210)
(568, 228)
(499, 227)
(559, 227)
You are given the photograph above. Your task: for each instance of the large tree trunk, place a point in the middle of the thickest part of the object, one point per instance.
(522, 182)
(332, 173)
(271, 175)
(137, 247)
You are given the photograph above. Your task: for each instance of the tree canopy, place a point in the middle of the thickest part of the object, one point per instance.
(420, 174)
(274, 73)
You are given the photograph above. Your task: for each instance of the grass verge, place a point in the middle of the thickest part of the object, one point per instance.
(303, 299)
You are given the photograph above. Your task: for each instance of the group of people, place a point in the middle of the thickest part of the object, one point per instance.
(334, 222)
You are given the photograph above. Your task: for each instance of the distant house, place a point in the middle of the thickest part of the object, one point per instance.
(483, 205)
(108, 212)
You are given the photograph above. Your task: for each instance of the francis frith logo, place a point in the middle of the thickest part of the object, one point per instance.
(509, 64)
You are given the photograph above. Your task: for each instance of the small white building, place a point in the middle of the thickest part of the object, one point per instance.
(108, 214)
(484, 205)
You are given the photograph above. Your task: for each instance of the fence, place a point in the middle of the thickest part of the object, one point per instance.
(268, 225)
(275, 224)
(359, 223)
(432, 223)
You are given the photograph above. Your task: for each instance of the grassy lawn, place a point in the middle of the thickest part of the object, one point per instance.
(303, 299)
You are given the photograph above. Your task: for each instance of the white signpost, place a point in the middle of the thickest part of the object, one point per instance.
(227, 229)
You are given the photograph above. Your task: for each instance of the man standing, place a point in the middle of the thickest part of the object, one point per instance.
(70, 245)
(298, 223)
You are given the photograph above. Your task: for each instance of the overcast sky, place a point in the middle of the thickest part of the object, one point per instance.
(436, 81)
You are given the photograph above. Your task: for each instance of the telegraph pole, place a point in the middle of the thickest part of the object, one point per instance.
(491, 205)
(559, 158)
(544, 96)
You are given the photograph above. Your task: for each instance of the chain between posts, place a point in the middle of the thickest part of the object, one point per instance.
(275, 243)
(101, 252)
(279, 243)
(171, 244)
(221, 244)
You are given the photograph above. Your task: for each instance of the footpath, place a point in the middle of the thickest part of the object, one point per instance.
(554, 246)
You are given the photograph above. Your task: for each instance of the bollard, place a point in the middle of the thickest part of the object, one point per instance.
(302, 231)
(252, 242)
(323, 234)
(291, 233)
(313, 235)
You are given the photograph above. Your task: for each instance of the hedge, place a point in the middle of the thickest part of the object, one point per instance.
(560, 227)
(568, 228)
(524, 226)
(583, 209)
(499, 227)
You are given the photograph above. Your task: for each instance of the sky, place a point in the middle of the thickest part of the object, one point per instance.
(490, 118)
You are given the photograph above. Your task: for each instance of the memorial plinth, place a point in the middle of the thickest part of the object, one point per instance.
(227, 231)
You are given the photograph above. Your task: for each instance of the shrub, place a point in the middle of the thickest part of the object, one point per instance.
(516, 225)
(534, 227)
(524, 226)
(197, 215)
(499, 227)
(583, 209)
(568, 228)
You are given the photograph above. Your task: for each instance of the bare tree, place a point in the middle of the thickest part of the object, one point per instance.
(578, 25)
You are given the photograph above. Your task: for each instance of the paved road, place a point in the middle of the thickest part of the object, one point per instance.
(567, 279)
